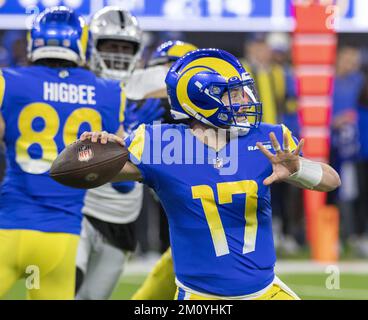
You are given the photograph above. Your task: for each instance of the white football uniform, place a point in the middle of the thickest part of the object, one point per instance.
(107, 204)
(145, 81)
(100, 261)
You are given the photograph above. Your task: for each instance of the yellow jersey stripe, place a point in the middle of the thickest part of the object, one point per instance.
(292, 143)
(137, 145)
(84, 39)
(29, 39)
(2, 88)
(122, 103)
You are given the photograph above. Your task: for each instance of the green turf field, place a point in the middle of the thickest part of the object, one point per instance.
(307, 286)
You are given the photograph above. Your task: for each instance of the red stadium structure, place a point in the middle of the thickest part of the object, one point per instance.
(314, 55)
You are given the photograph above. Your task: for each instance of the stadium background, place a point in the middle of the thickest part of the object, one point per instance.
(261, 34)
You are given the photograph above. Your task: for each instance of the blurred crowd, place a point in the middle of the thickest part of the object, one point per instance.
(267, 57)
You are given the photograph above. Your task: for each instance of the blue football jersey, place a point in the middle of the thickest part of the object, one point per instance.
(218, 208)
(44, 109)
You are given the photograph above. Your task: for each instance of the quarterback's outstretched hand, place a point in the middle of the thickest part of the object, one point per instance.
(102, 137)
(284, 162)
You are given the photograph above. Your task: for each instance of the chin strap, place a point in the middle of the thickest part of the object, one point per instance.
(236, 131)
(197, 116)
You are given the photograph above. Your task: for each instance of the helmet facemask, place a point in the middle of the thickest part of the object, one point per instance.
(240, 108)
(114, 59)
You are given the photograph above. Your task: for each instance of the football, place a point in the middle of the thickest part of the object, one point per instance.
(86, 165)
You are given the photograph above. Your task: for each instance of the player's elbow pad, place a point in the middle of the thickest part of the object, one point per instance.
(123, 187)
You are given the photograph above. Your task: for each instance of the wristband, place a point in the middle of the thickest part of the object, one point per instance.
(309, 174)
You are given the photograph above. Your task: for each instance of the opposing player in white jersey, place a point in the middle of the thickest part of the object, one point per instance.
(144, 83)
(108, 235)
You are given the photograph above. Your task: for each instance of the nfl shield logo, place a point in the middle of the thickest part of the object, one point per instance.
(63, 74)
(85, 153)
(218, 163)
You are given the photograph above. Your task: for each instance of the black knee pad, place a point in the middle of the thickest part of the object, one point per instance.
(79, 276)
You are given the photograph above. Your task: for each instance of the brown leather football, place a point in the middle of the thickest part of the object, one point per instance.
(86, 165)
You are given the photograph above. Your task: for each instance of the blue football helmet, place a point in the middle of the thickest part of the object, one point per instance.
(170, 51)
(59, 33)
(212, 86)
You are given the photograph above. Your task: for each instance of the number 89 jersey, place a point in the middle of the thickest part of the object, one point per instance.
(45, 109)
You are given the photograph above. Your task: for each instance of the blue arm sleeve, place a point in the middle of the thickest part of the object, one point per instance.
(123, 187)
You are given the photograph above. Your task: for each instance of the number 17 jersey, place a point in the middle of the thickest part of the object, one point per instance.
(45, 109)
(218, 209)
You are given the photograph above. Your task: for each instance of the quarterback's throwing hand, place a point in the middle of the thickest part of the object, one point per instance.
(284, 162)
(103, 136)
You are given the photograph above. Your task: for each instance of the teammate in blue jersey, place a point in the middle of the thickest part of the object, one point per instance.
(44, 107)
(213, 178)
